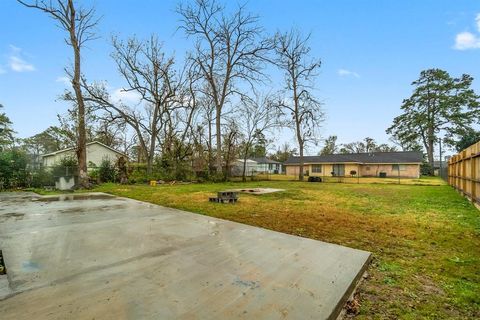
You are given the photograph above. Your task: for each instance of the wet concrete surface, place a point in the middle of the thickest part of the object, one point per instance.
(103, 257)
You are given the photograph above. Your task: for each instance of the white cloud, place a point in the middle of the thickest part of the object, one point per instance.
(130, 97)
(16, 61)
(347, 73)
(15, 49)
(466, 40)
(65, 80)
(19, 65)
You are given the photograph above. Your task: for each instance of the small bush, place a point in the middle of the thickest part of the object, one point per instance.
(67, 166)
(13, 169)
(93, 175)
(138, 174)
(106, 171)
(426, 169)
(314, 179)
(42, 177)
(171, 169)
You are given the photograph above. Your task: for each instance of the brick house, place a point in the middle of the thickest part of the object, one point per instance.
(374, 164)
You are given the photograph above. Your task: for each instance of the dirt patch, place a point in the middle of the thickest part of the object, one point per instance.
(256, 191)
(429, 287)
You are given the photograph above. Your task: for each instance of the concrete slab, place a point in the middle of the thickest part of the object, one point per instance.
(103, 257)
(256, 191)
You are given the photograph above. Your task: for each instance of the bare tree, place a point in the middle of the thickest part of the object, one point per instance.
(80, 24)
(283, 153)
(149, 74)
(229, 49)
(231, 140)
(256, 116)
(330, 146)
(111, 133)
(207, 109)
(302, 111)
(367, 145)
(179, 131)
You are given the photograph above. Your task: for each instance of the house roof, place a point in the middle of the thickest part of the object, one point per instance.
(264, 160)
(373, 157)
(248, 161)
(88, 144)
(436, 163)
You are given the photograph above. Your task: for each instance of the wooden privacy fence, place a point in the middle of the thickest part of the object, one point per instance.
(464, 172)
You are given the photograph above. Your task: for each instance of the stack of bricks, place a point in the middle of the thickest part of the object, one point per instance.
(224, 197)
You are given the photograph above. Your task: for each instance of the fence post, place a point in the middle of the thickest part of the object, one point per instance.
(463, 172)
(473, 176)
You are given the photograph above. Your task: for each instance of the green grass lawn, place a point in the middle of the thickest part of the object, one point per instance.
(425, 239)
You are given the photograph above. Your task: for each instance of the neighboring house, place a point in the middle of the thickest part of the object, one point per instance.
(375, 164)
(437, 165)
(236, 169)
(96, 153)
(265, 165)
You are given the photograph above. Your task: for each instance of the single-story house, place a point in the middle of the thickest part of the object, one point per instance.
(265, 165)
(236, 169)
(96, 153)
(374, 164)
(437, 165)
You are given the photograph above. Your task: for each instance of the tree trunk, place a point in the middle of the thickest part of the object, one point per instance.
(300, 145)
(297, 125)
(219, 141)
(430, 155)
(300, 173)
(82, 136)
(149, 165)
(247, 148)
(151, 151)
(210, 151)
(430, 148)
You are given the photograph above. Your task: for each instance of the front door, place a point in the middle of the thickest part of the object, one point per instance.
(338, 170)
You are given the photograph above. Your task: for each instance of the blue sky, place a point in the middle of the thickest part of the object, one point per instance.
(371, 52)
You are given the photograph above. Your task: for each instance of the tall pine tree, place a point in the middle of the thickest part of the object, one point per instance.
(439, 105)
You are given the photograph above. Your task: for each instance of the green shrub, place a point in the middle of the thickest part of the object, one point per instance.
(106, 171)
(138, 174)
(67, 166)
(42, 177)
(426, 169)
(172, 169)
(93, 175)
(13, 169)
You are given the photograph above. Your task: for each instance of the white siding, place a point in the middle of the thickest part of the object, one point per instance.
(95, 154)
(51, 160)
(269, 168)
(237, 168)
